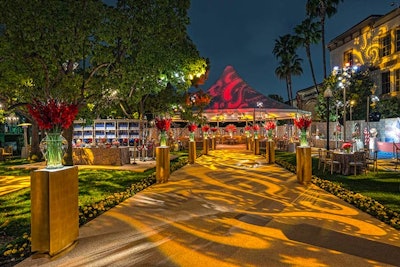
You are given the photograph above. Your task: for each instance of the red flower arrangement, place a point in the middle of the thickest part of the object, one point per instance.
(192, 127)
(214, 129)
(256, 127)
(270, 125)
(163, 124)
(53, 115)
(347, 146)
(302, 123)
(247, 128)
(205, 128)
(230, 128)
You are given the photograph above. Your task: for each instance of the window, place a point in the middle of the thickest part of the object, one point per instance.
(348, 57)
(397, 80)
(385, 45)
(385, 82)
(397, 40)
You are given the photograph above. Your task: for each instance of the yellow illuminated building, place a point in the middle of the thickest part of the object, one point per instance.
(375, 41)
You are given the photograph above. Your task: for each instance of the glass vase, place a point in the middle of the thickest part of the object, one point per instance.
(191, 136)
(53, 147)
(163, 138)
(270, 135)
(255, 135)
(303, 138)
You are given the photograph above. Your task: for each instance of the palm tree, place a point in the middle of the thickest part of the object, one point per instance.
(322, 9)
(308, 33)
(289, 61)
(288, 66)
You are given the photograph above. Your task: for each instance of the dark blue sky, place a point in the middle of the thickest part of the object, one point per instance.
(242, 33)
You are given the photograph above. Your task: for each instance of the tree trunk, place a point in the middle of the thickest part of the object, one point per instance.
(35, 153)
(68, 133)
(308, 51)
(323, 44)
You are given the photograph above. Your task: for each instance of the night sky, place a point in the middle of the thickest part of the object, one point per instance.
(242, 33)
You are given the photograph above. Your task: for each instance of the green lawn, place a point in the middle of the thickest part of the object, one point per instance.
(383, 186)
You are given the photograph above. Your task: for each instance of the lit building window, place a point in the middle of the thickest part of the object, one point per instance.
(348, 57)
(385, 82)
(397, 80)
(385, 45)
(398, 40)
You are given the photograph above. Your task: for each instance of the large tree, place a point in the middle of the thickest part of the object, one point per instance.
(322, 9)
(92, 54)
(308, 33)
(289, 62)
(45, 48)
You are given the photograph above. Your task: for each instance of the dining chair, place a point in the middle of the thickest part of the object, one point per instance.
(331, 162)
(371, 159)
(6, 153)
(321, 157)
(396, 153)
(359, 162)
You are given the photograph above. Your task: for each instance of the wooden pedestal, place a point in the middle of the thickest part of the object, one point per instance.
(205, 146)
(270, 151)
(162, 164)
(213, 145)
(303, 164)
(54, 209)
(248, 143)
(192, 152)
(256, 146)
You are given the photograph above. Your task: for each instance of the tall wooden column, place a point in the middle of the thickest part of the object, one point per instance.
(162, 164)
(205, 146)
(303, 164)
(192, 152)
(270, 151)
(54, 209)
(256, 146)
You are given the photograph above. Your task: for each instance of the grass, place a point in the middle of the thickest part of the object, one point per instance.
(383, 186)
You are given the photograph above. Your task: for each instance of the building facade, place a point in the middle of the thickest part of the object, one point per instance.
(373, 42)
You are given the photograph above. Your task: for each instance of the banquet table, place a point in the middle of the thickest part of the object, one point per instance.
(101, 156)
(344, 158)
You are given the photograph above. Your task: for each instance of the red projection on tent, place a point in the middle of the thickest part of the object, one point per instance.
(232, 92)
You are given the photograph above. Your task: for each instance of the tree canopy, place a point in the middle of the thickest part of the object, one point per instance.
(88, 52)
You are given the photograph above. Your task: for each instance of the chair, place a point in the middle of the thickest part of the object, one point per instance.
(321, 157)
(331, 162)
(359, 162)
(371, 159)
(6, 153)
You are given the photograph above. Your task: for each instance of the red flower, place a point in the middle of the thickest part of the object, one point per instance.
(347, 145)
(214, 129)
(270, 125)
(192, 127)
(247, 128)
(230, 128)
(163, 124)
(256, 127)
(302, 123)
(53, 115)
(205, 128)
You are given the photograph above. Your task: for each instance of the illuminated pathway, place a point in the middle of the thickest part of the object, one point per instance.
(230, 208)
